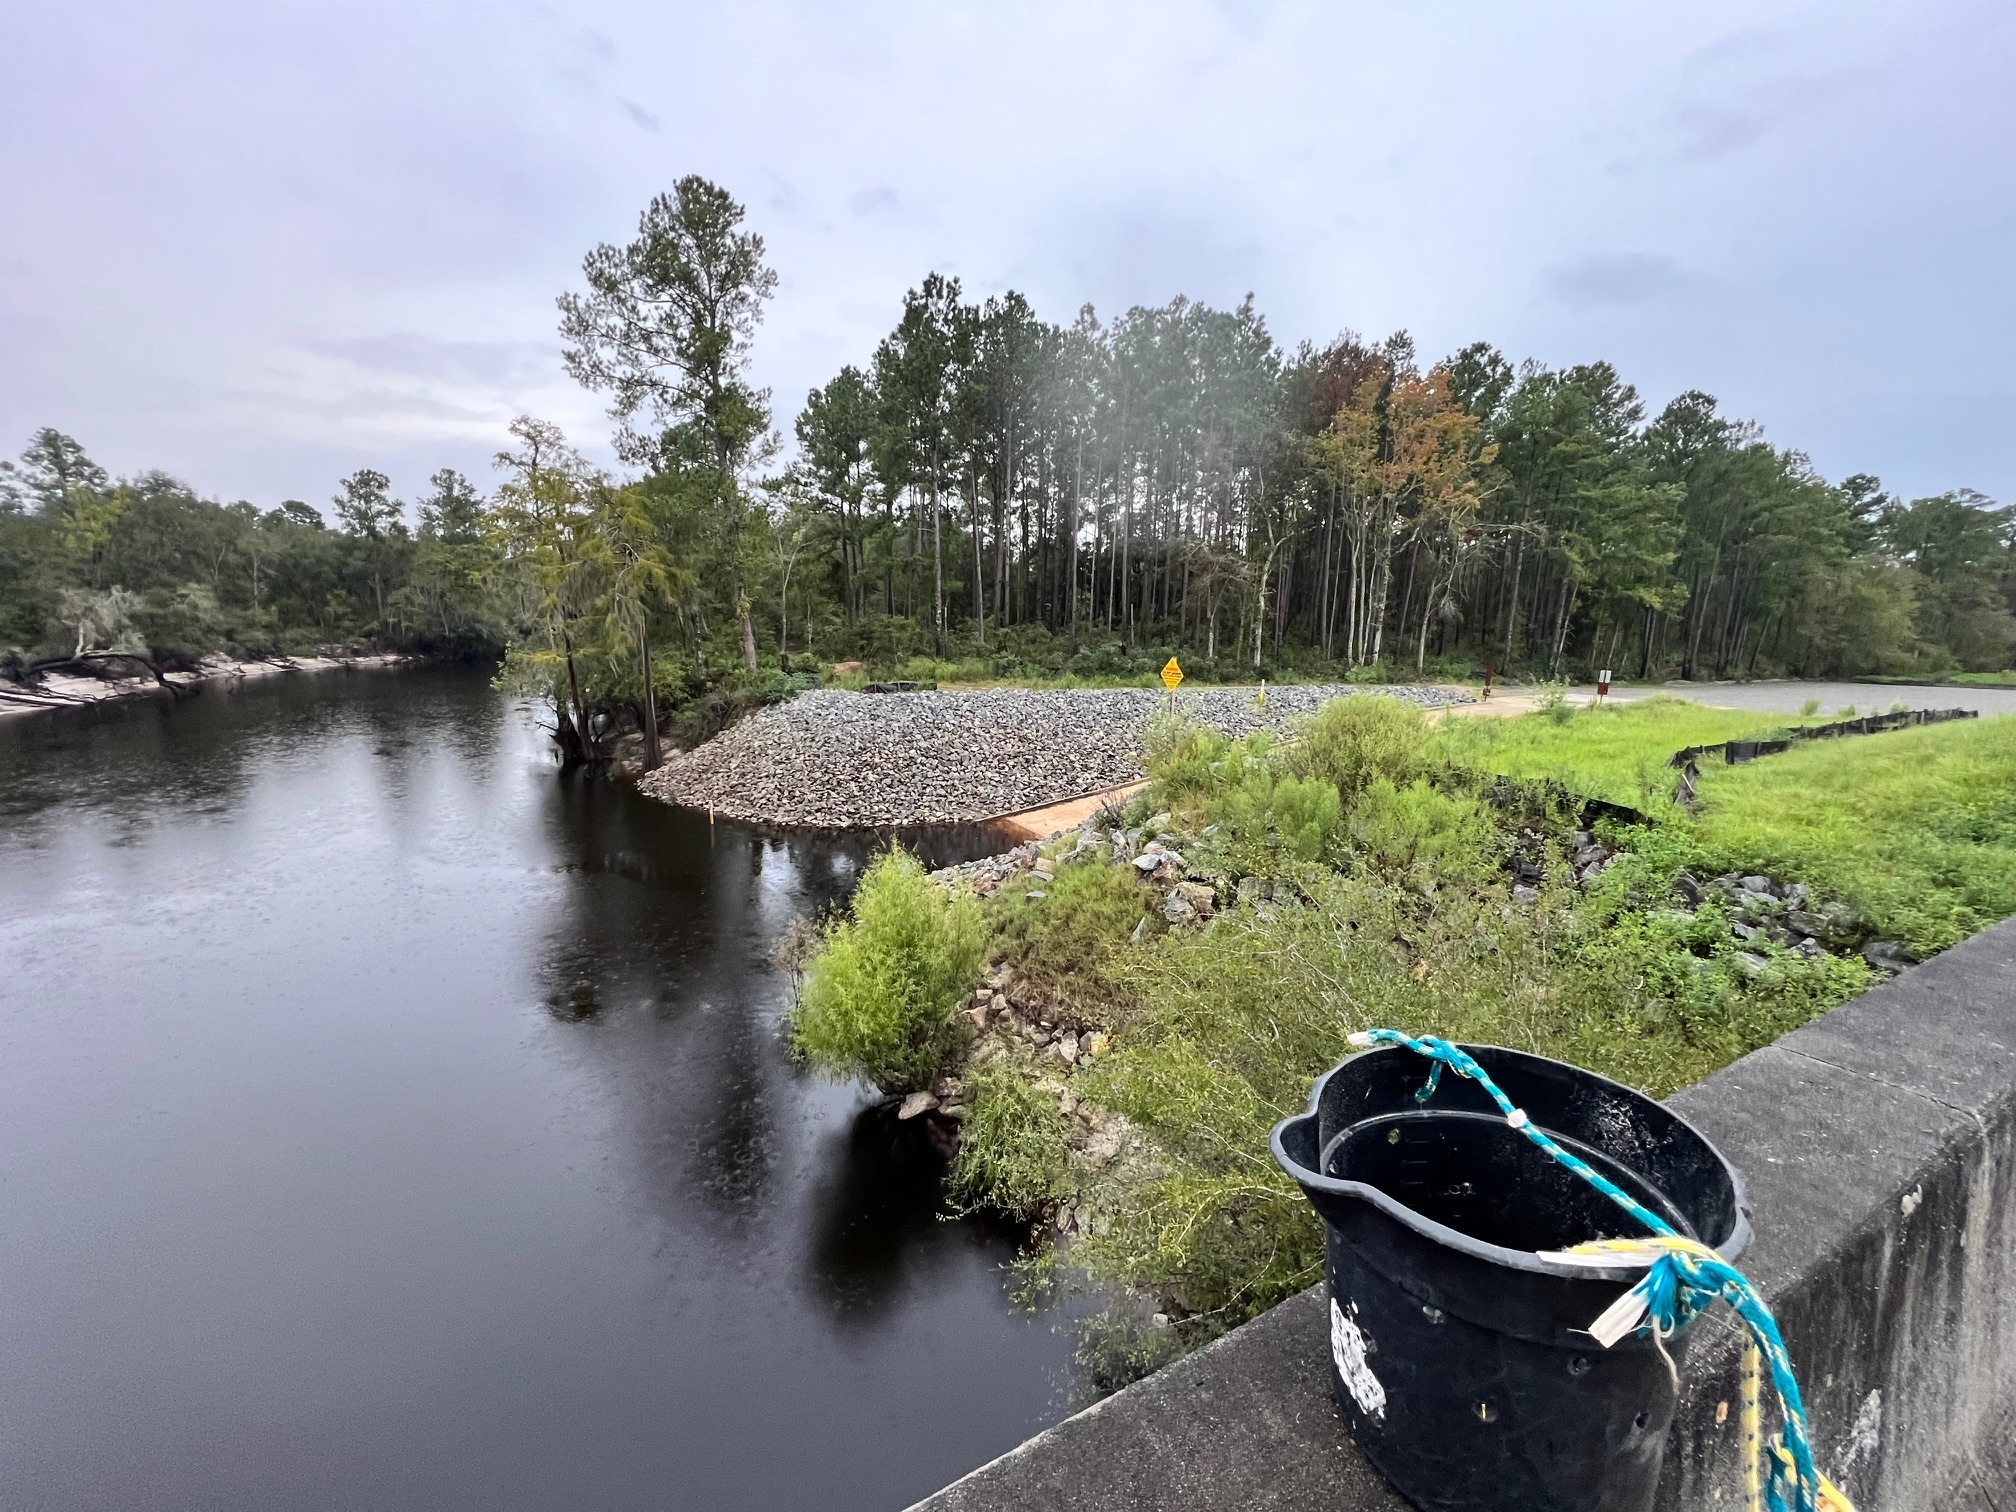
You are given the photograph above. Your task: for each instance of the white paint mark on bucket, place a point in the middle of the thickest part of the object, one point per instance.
(1347, 1349)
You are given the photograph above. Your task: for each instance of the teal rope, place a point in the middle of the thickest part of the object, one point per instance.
(1445, 1054)
(1677, 1286)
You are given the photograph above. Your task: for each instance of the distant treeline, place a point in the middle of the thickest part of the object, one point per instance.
(89, 563)
(1175, 477)
(1015, 496)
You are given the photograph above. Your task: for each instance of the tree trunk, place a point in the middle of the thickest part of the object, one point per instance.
(784, 610)
(1421, 651)
(1126, 554)
(937, 565)
(979, 582)
(748, 633)
(1383, 574)
(1561, 622)
(567, 736)
(1071, 529)
(583, 746)
(653, 759)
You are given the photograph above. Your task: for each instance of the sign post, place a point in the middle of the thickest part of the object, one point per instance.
(1603, 684)
(1172, 675)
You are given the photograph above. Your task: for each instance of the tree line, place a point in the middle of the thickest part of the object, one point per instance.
(1176, 477)
(144, 565)
(994, 491)
(988, 485)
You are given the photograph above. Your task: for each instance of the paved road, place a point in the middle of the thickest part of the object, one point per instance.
(1868, 698)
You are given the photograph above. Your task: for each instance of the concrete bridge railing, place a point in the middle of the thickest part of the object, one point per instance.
(1879, 1144)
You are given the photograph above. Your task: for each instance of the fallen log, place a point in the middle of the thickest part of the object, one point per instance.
(93, 662)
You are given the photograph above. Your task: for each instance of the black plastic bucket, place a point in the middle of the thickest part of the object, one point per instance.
(1463, 1359)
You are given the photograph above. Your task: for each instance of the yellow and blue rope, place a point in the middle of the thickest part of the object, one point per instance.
(1682, 1278)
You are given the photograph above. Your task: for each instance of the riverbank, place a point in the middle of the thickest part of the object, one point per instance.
(1157, 983)
(833, 759)
(70, 691)
(1872, 1143)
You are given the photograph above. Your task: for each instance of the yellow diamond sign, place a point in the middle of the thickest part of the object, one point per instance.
(1171, 675)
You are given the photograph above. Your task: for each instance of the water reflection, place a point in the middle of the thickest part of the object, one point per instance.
(426, 1138)
(878, 1223)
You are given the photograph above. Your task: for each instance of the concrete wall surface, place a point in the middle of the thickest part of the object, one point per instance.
(1879, 1145)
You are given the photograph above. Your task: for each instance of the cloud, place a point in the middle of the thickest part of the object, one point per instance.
(347, 207)
(432, 359)
(641, 118)
(1712, 131)
(1146, 252)
(1613, 279)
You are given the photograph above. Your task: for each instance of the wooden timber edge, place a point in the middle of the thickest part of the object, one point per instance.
(1054, 818)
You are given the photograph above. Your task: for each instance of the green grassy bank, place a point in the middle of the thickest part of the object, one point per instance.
(1152, 1022)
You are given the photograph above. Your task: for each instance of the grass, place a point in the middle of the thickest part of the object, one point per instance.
(1014, 1148)
(1060, 943)
(1618, 753)
(1386, 899)
(1917, 828)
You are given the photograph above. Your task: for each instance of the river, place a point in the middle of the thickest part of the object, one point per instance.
(388, 1121)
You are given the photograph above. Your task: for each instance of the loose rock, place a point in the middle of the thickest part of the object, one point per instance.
(835, 759)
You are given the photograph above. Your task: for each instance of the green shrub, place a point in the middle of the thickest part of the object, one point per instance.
(1269, 806)
(1424, 836)
(1350, 742)
(1550, 702)
(1246, 788)
(1187, 763)
(1014, 1144)
(877, 1001)
(1306, 815)
(1236, 1020)
(1060, 942)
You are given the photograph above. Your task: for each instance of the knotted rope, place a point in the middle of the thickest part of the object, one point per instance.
(1682, 1278)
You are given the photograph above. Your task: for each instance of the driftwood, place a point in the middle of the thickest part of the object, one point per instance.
(96, 662)
(41, 700)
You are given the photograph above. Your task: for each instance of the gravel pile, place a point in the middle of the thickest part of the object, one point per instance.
(833, 759)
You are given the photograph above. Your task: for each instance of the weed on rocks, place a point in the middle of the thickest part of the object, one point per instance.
(1162, 984)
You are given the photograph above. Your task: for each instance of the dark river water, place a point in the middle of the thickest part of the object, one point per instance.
(387, 1121)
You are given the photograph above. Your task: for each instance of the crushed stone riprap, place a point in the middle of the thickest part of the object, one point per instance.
(834, 759)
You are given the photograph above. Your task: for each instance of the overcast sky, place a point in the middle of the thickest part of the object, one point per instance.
(261, 245)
